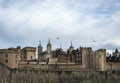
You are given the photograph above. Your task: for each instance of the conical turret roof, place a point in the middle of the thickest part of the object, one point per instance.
(40, 46)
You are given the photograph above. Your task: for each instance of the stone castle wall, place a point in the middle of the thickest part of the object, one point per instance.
(113, 66)
(10, 59)
(51, 66)
(47, 76)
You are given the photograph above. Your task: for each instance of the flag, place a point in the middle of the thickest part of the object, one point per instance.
(58, 38)
(93, 40)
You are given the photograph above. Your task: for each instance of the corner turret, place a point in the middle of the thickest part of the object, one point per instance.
(39, 50)
(49, 47)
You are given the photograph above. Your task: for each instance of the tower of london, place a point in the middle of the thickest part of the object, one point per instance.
(35, 65)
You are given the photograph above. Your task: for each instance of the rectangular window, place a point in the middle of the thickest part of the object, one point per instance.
(16, 58)
(6, 55)
(6, 61)
(31, 57)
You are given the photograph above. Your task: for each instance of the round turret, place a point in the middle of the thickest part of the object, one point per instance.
(49, 47)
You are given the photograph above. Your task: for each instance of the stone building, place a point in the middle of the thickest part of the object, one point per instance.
(60, 55)
(40, 49)
(94, 60)
(82, 58)
(28, 53)
(10, 57)
(116, 53)
(115, 57)
(89, 59)
(46, 54)
(101, 59)
(77, 56)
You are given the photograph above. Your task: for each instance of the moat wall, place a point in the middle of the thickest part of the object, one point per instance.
(40, 76)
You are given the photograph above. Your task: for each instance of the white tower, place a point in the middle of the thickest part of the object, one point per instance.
(40, 51)
(49, 48)
(71, 48)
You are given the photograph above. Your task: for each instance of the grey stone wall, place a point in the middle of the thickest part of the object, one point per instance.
(41, 76)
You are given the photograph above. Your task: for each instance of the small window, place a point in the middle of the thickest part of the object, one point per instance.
(6, 55)
(31, 57)
(6, 61)
(16, 59)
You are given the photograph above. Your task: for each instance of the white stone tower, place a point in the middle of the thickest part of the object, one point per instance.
(40, 51)
(71, 48)
(49, 48)
(102, 59)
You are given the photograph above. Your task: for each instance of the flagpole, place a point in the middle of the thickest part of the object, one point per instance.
(59, 41)
(93, 42)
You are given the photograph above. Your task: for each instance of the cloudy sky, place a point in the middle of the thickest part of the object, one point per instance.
(25, 22)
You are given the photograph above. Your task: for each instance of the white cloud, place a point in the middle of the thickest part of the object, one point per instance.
(77, 20)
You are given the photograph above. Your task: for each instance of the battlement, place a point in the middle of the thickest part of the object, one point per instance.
(9, 50)
(30, 48)
(84, 58)
(101, 50)
(86, 48)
